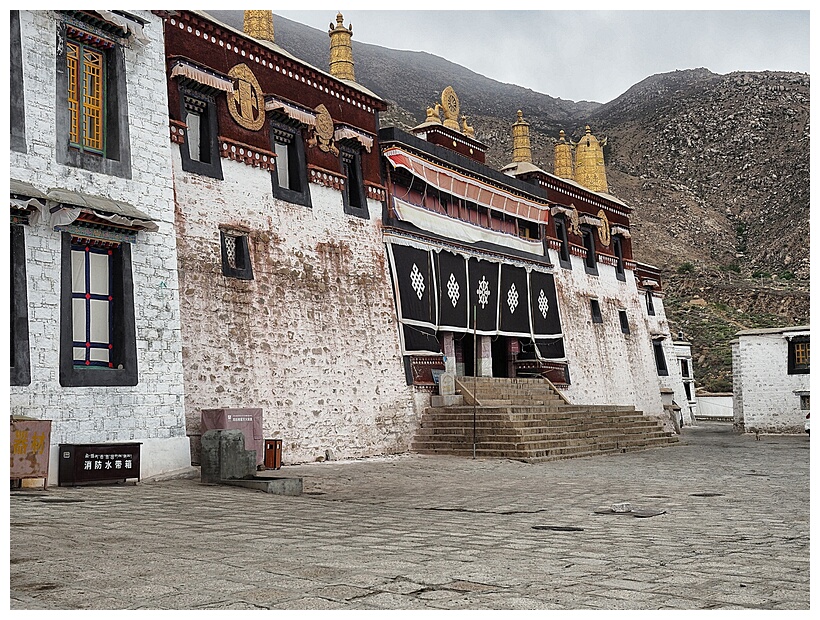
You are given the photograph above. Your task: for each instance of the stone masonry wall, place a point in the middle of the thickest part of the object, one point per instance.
(151, 412)
(607, 366)
(312, 339)
(768, 392)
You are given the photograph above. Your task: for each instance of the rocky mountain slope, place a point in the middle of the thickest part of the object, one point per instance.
(716, 168)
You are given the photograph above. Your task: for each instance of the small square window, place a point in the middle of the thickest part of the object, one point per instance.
(798, 362)
(236, 257)
(595, 308)
(624, 321)
(804, 402)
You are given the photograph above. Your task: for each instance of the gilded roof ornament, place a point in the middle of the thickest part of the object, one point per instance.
(589, 162)
(465, 128)
(562, 160)
(451, 108)
(434, 114)
(341, 50)
(522, 151)
(259, 24)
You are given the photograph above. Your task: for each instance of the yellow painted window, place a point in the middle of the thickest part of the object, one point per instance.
(801, 354)
(85, 67)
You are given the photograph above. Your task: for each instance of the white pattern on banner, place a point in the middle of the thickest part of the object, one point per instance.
(452, 290)
(418, 281)
(483, 292)
(512, 298)
(543, 304)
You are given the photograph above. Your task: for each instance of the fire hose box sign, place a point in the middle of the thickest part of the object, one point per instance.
(98, 462)
(30, 441)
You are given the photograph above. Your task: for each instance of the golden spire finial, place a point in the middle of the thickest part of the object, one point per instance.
(341, 50)
(562, 165)
(589, 162)
(522, 152)
(259, 24)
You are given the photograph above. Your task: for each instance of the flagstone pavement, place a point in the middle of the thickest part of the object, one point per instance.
(424, 533)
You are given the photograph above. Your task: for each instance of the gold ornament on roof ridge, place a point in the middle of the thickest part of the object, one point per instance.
(589, 162)
(562, 160)
(522, 150)
(465, 128)
(451, 108)
(259, 24)
(341, 50)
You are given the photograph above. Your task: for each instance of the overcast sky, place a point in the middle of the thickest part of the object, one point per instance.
(594, 55)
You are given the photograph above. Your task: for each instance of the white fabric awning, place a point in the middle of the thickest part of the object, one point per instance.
(467, 188)
(302, 115)
(585, 218)
(349, 132)
(130, 26)
(459, 230)
(198, 74)
(620, 230)
(64, 206)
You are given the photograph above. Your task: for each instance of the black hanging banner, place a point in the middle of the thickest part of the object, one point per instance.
(483, 277)
(544, 311)
(514, 305)
(413, 276)
(453, 292)
(420, 340)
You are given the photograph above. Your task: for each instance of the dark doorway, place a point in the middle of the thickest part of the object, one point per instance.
(465, 353)
(500, 351)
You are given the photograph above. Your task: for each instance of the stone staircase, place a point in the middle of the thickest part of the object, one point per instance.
(529, 420)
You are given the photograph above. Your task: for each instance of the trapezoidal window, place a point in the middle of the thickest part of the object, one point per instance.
(660, 359)
(590, 260)
(355, 199)
(563, 248)
(595, 309)
(624, 321)
(200, 153)
(290, 176)
(19, 344)
(650, 303)
(618, 250)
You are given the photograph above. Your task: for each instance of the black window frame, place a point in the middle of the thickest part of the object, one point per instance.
(564, 256)
(793, 367)
(590, 256)
(354, 196)
(291, 136)
(123, 327)
(624, 320)
(192, 99)
(19, 348)
(595, 311)
(650, 304)
(618, 250)
(660, 358)
(243, 269)
(684, 369)
(17, 118)
(116, 159)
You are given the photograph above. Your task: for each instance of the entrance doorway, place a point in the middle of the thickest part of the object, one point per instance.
(465, 354)
(502, 358)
